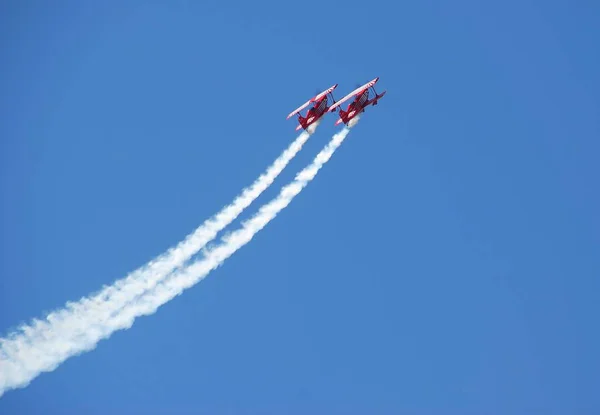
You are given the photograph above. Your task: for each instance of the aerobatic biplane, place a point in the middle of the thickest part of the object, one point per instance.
(319, 108)
(360, 102)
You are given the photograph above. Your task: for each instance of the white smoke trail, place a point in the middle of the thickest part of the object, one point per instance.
(76, 317)
(21, 361)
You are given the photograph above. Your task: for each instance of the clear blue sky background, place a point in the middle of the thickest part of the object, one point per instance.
(445, 261)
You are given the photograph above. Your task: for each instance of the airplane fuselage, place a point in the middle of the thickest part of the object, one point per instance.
(319, 107)
(314, 113)
(360, 102)
(362, 99)
(317, 110)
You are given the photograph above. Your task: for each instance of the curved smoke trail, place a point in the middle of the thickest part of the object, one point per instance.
(61, 329)
(22, 362)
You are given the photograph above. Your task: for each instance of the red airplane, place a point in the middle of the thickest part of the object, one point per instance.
(316, 112)
(360, 102)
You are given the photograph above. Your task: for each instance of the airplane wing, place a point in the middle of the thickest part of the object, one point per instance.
(353, 93)
(300, 108)
(322, 94)
(315, 98)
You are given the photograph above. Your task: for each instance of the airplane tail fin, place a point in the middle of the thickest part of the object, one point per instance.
(302, 122)
(343, 117)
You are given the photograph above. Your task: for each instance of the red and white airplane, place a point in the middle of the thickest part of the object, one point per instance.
(360, 102)
(319, 108)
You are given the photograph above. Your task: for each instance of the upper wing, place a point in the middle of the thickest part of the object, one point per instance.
(353, 93)
(300, 108)
(322, 94)
(315, 98)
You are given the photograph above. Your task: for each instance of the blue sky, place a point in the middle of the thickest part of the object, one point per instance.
(444, 261)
